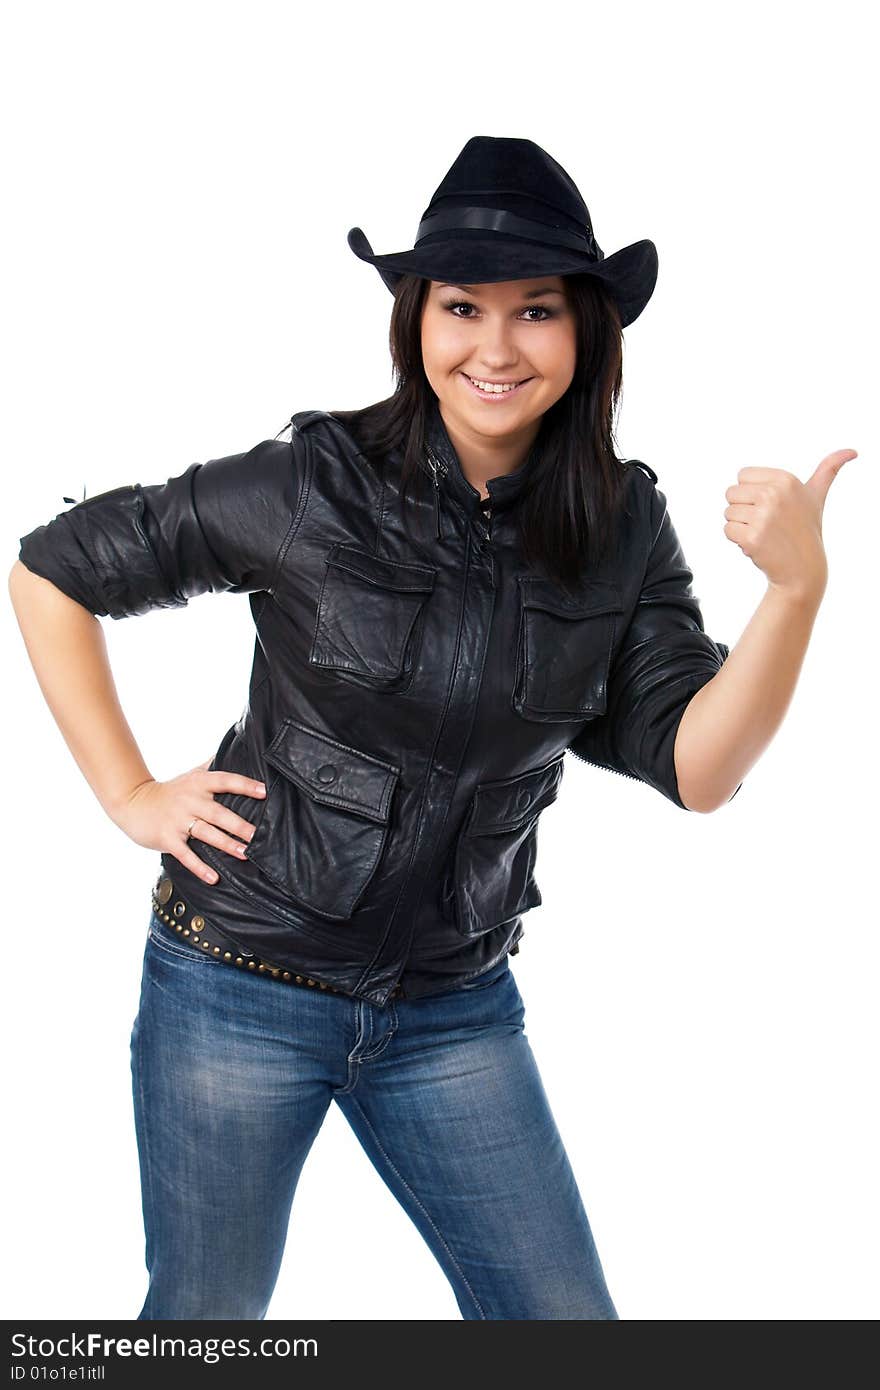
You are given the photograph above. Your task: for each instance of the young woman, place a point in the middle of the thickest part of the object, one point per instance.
(450, 589)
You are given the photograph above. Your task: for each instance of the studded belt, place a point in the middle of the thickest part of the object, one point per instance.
(171, 907)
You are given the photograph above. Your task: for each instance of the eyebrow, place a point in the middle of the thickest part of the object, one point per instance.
(529, 294)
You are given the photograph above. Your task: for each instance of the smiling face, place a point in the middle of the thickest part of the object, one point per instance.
(516, 331)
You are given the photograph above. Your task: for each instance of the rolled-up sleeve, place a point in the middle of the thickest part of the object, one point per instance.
(665, 657)
(220, 526)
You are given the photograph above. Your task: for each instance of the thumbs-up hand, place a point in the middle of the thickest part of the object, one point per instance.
(776, 520)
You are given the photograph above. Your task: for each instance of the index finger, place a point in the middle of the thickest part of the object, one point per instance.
(236, 782)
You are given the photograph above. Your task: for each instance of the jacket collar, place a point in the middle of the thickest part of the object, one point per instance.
(503, 490)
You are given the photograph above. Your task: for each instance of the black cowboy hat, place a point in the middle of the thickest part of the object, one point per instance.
(506, 210)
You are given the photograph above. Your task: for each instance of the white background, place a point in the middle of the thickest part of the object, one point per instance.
(700, 990)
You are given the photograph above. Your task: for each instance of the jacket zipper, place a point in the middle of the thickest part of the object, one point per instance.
(486, 533)
(434, 464)
(604, 766)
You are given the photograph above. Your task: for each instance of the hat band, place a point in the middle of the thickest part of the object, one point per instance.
(497, 220)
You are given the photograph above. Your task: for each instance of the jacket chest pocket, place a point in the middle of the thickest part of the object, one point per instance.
(368, 628)
(492, 874)
(564, 648)
(325, 819)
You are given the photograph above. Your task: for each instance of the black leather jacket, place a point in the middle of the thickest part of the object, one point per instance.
(411, 700)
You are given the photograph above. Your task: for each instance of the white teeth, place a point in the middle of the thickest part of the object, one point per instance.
(493, 386)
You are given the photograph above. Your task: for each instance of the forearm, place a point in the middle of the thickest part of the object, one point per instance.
(730, 721)
(68, 651)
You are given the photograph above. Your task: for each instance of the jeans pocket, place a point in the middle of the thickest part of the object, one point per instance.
(173, 943)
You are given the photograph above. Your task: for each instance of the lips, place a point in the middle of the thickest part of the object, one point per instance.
(496, 395)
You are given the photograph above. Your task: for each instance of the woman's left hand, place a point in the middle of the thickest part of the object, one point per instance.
(776, 520)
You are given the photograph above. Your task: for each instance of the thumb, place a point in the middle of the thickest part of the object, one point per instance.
(820, 481)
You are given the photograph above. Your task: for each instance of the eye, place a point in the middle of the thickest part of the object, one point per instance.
(459, 304)
(530, 309)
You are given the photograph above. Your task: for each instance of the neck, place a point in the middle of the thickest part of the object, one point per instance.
(483, 457)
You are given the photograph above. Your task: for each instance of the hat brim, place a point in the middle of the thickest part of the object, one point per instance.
(474, 259)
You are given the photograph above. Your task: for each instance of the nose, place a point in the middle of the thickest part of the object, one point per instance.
(497, 351)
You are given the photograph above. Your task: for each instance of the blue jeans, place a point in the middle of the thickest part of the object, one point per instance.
(232, 1076)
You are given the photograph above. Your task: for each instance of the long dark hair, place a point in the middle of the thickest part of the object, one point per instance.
(569, 506)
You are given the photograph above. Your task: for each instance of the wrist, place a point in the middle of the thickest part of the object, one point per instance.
(805, 595)
(116, 804)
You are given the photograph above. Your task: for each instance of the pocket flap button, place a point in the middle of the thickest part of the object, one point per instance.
(326, 773)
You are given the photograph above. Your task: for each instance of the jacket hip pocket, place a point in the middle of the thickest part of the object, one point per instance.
(324, 821)
(368, 628)
(492, 875)
(564, 649)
